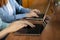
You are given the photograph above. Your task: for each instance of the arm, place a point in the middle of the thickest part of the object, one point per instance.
(10, 18)
(3, 33)
(15, 26)
(20, 8)
(10, 29)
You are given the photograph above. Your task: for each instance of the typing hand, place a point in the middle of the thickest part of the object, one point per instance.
(33, 13)
(15, 26)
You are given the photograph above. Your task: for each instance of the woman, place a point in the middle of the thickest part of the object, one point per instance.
(8, 11)
(8, 14)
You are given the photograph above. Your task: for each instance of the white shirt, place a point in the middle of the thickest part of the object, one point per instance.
(9, 7)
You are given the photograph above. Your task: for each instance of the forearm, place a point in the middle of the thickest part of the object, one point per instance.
(20, 8)
(25, 10)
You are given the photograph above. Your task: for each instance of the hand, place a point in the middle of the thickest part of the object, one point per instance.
(36, 11)
(15, 26)
(33, 13)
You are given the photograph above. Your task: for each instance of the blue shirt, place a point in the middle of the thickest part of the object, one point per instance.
(4, 13)
(10, 9)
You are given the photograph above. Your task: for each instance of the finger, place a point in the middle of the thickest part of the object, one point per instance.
(23, 25)
(30, 24)
(27, 23)
(36, 10)
(36, 15)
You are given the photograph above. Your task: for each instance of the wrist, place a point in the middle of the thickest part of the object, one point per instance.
(28, 15)
(4, 32)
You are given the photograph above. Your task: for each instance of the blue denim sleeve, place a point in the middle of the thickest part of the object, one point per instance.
(0, 23)
(20, 8)
(20, 16)
(25, 10)
(3, 25)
